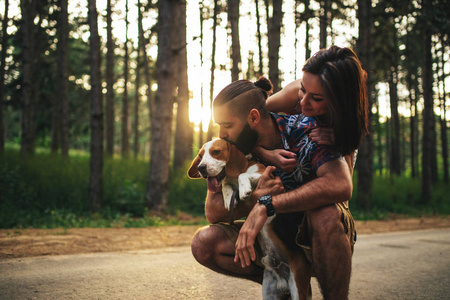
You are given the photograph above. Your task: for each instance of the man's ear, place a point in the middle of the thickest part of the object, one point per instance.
(237, 162)
(253, 118)
(193, 170)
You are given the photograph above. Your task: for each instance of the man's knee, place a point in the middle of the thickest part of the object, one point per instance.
(204, 244)
(326, 220)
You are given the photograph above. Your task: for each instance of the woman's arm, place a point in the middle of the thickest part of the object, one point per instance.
(286, 100)
(280, 158)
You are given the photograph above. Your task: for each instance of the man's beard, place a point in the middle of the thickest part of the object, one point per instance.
(246, 140)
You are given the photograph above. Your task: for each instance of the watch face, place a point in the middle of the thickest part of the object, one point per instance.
(265, 198)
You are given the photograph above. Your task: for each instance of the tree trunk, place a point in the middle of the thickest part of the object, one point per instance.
(213, 65)
(96, 159)
(157, 195)
(395, 128)
(29, 101)
(325, 6)
(148, 78)
(183, 135)
(138, 81)
(63, 57)
(365, 152)
(443, 119)
(233, 18)
(388, 143)
(61, 93)
(109, 82)
(307, 16)
(274, 31)
(379, 140)
(428, 115)
(412, 127)
(258, 34)
(200, 131)
(298, 22)
(2, 73)
(125, 145)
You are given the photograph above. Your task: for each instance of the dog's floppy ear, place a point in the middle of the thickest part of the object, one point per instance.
(193, 170)
(237, 162)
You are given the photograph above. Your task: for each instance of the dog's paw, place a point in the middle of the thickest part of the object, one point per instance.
(244, 194)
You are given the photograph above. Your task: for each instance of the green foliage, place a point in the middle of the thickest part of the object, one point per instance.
(187, 195)
(49, 191)
(400, 195)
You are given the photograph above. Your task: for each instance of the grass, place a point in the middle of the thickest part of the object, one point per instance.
(49, 191)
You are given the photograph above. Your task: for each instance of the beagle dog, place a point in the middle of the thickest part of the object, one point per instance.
(222, 164)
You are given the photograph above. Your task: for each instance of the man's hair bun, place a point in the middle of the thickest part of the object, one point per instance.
(265, 85)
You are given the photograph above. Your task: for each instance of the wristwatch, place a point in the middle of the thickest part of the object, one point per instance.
(267, 201)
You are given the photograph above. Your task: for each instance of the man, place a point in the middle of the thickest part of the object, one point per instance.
(240, 112)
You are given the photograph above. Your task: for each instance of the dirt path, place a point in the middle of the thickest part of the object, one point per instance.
(15, 243)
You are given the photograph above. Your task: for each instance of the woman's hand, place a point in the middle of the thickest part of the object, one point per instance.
(280, 158)
(322, 135)
(283, 160)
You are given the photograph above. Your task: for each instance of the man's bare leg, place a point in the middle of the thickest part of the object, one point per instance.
(213, 249)
(332, 256)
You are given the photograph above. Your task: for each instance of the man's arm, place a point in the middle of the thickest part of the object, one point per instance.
(332, 185)
(215, 210)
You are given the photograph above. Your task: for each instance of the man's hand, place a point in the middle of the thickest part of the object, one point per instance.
(245, 251)
(268, 184)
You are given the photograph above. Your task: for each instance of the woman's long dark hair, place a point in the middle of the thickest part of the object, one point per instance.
(344, 84)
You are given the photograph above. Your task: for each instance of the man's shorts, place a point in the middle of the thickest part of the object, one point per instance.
(302, 239)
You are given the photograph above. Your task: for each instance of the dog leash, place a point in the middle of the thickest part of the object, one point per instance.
(233, 199)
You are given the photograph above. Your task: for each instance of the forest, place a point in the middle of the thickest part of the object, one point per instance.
(103, 104)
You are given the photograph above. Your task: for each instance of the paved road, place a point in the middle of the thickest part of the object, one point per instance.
(407, 265)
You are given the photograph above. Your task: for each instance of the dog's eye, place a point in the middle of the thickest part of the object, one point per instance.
(215, 152)
(200, 156)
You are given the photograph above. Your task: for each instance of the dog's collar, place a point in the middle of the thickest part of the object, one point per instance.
(234, 198)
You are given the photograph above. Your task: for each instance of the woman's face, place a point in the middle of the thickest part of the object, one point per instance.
(311, 96)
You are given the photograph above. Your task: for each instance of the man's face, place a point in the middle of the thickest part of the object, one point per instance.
(235, 130)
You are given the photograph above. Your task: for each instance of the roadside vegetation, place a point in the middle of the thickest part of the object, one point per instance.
(49, 191)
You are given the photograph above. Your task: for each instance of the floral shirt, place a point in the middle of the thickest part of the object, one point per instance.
(295, 131)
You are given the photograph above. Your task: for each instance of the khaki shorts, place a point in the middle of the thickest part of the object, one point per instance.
(302, 239)
(232, 232)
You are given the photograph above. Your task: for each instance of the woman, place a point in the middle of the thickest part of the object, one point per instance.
(332, 90)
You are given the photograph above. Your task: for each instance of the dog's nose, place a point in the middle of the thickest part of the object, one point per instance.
(202, 169)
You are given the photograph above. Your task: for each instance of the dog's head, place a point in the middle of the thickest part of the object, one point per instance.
(216, 160)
